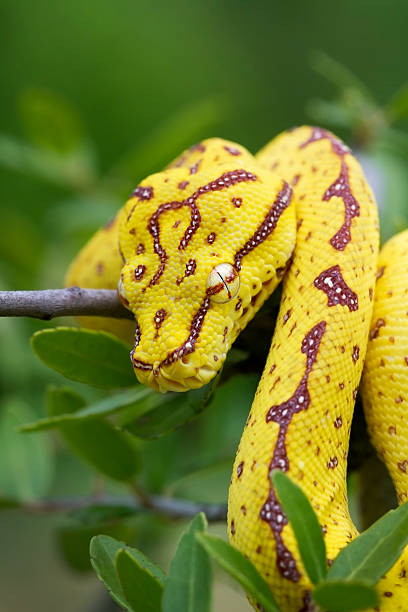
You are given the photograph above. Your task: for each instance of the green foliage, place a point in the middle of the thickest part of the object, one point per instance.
(304, 522)
(241, 569)
(50, 122)
(169, 139)
(188, 586)
(100, 443)
(134, 401)
(26, 466)
(95, 358)
(142, 589)
(131, 578)
(345, 596)
(375, 551)
(73, 538)
(171, 411)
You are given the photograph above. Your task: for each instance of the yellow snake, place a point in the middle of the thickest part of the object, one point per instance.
(201, 246)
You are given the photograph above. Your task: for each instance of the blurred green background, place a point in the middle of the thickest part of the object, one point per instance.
(95, 95)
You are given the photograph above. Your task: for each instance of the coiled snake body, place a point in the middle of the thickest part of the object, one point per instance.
(201, 246)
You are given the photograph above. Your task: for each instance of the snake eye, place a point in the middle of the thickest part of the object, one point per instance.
(122, 294)
(222, 283)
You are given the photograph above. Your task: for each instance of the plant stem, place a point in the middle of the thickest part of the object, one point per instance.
(72, 301)
(166, 506)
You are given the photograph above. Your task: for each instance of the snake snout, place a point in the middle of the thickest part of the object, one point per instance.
(181, 375)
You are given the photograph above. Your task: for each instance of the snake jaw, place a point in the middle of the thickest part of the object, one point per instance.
(182, 375)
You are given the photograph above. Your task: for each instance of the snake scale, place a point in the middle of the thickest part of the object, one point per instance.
(198, 248)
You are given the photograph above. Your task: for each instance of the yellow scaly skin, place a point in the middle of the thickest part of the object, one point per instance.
(301, 416)
(385, 390)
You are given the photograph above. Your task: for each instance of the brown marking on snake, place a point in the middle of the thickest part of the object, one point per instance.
(140, 248)
(211, 237)
(380, 272)
(295, 180)
(338, 422)
(286, 316)
(267, 226)
(191, 267)
(308, 605)
(331, 281)
(139, 272)
(240, 469)
(232, 527)
(376, 330)
(282, 414)
(195, 167)
(100, 267)
(233, 150)
(132, 231)
(158, 320)
(143, 193)
(237, 202)
(184, 349)
(183, 184)
(109, 224)
(332, 463)
(228, 179)
(370, 294)
(224, 335)
(403, 466)
(198, 146)
(189, 345)
(356, 353)
(339, 188)
(239, 304)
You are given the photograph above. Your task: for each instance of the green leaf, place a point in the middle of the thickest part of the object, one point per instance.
(103, 551)
(241, 569)
(128, 400)
(338, 74)
(69, 171)
(397, 107)
(386, 171)
(179, 131)
(142, 588)
(26, 467)
(188, 586)
(372, 553)
(109, 450)
(306, 527)
(345, 596)
(174, 410)
(95, 358)
(50, 121)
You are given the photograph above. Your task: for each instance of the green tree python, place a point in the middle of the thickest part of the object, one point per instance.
(197, 249)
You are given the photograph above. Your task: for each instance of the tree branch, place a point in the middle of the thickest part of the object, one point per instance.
(72, 301)
(166, 506)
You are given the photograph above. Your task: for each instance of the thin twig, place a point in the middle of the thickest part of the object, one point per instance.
(72, 301)
(165, 506)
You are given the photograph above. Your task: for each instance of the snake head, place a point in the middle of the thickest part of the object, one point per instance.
(204, 244)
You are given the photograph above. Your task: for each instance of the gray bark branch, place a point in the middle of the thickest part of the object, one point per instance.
(167, 506)
(73, 301)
